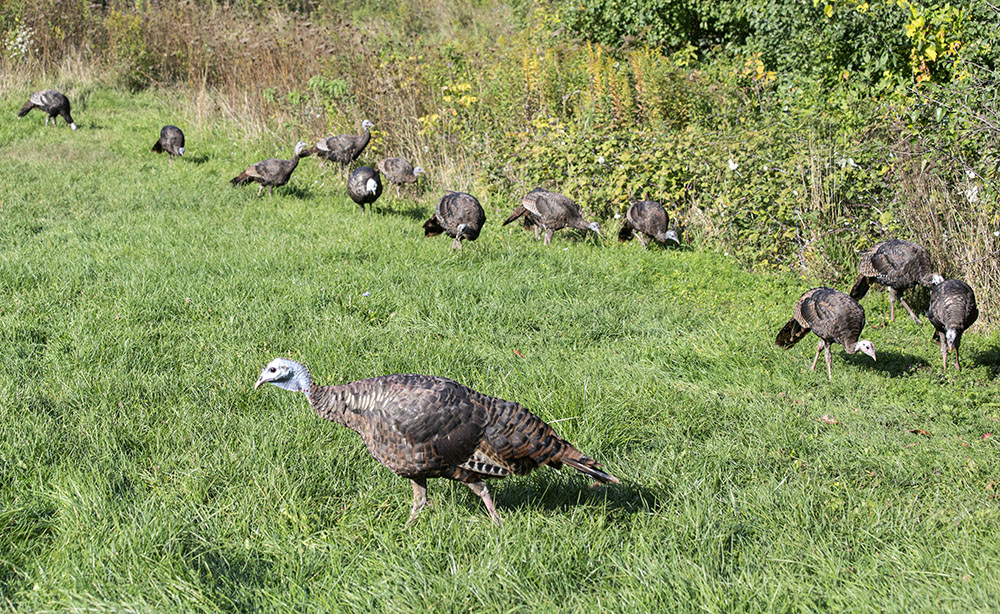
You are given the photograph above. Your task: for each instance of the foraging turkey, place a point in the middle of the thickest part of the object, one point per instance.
(171, 141)
(898, 264)
(52, 102)
(364, 186)
(551, 211)
(835, 318)
(344, 148)
(952, 310)
(647, 218)
(271, 173)
(399, 171)
(458, 215)
(421, 426)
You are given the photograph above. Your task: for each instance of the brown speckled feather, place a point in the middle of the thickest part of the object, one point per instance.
(832, 315)
(422, 426)
(894, 263)
(953, 305)
(455, 209)
(171, 141)
(52, 102)
(343, 148)
(648, 217)
(549, 210)
(397, 170)
(272, 172)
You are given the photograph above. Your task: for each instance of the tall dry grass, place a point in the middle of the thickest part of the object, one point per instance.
(487, 99)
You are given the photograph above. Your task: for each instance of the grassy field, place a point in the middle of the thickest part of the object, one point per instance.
(140, 472)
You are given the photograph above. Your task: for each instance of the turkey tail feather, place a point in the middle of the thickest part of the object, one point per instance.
(589, 466)
(157, 147)
(240, 179)
(432, 227)
(790, 334)
(625, 234)
(24, 110)
(860, 288)
(513, 216)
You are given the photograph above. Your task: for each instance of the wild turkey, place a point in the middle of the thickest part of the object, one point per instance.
(551, 211)
(952, 310)
(171, 141)
(344, 148)
(900, 265)
(399, 171)
(458, 215)
(647, 218)
(421, 426)
(271, 173)
(834, 317)
(364, 186)
(52, 102)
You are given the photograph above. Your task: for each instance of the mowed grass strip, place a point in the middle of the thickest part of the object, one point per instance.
(140, 472)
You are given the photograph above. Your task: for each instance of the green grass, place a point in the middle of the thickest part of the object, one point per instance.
(139, 471)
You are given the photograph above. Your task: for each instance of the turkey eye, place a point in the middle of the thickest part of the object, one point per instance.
(273, 369)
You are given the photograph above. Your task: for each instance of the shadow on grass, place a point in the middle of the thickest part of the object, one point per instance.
(196, 159)
(294, 191)
(989, 358)
(564, 494)
(893, 364)
(414, 212)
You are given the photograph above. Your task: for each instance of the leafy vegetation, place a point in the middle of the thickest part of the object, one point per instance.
(789, 136)
(140, 472)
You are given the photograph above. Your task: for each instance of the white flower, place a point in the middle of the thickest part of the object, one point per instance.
(732, 165)
(366, 294)
(618, 216)
(600, 159)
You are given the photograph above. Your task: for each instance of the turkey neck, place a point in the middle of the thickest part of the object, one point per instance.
(367, 136)
(337, 404)
(851, 347)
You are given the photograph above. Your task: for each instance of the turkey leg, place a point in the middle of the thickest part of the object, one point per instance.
(819, 348)
(419, 498)
(912, 315)
(480, 489)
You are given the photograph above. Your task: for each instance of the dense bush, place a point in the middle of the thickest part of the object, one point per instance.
(788, 134)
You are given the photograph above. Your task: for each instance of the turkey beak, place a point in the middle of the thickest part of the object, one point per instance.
(259, 383)
(873, 357)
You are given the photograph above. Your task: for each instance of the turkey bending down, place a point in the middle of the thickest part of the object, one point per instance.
(364, 186)
(399, 171)
(551, 211)
(421, 426)
(171, 141)
(458, 215)
(52, 102)
(647, 218)
(898, 264)
(271, 173)
(834, 317)
(952, 310)
(344, 148)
